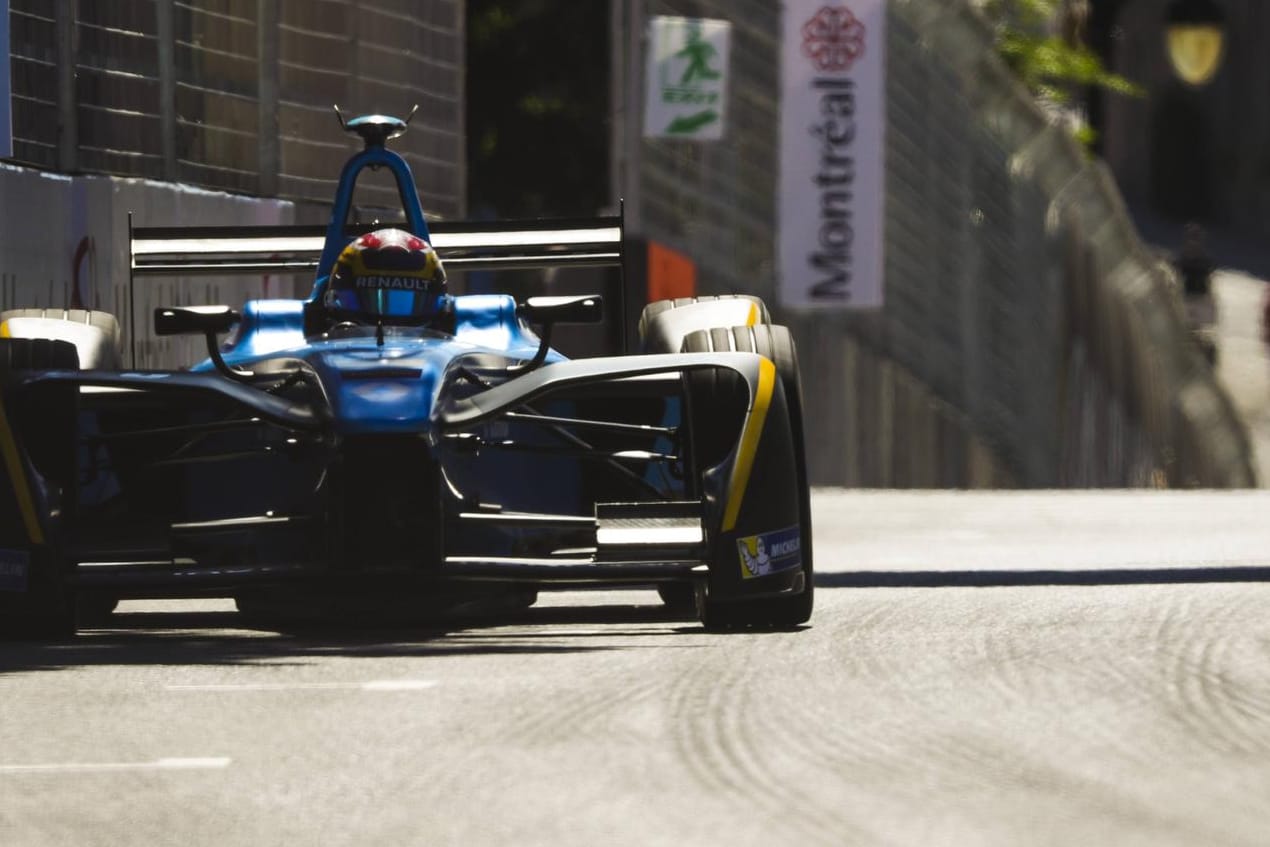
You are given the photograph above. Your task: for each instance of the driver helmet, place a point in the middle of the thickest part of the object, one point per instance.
(388, 273)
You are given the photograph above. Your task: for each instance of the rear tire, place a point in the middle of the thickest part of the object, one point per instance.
(104, 321)
(713, 432)
(95, 334)
(657, 307)
(36, 354)
(664, 324)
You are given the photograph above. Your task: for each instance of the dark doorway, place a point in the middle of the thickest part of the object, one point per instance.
(537, 108)
(1181, 176)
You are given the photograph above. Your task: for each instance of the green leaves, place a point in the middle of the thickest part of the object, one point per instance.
(1049, 66)
(1054, 67)
(537, 78)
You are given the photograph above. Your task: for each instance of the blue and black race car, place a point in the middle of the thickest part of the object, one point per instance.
(384, 439)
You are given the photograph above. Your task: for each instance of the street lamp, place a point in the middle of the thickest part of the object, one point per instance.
(1195, 35)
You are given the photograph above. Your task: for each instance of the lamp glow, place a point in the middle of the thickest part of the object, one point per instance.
(1195, 52)
(1195, 36)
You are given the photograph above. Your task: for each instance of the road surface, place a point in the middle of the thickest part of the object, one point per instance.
(981, 669)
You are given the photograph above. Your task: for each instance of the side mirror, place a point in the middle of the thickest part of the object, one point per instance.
(207, 321)
(194, 320)
(549, 311)
(583, 309)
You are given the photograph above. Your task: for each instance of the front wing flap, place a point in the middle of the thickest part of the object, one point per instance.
(752, 494)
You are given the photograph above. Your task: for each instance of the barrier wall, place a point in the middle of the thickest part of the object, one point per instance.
(64, 244)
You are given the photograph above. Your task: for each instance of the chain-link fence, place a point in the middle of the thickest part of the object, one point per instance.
(1027, 337)
(1020, 293)
(140, 105)
(237, 94)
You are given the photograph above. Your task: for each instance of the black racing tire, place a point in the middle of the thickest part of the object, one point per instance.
(658, 307)
(717, 399)
(30, 354)
(49, 439)
(92, 340)
(714, 431)
(679, 597)
(107, 355)
(46, 422)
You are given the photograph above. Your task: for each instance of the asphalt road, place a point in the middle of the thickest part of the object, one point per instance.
(981, 669)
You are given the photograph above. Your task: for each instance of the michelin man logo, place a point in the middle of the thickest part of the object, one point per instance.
(754, 555)
(769, 552)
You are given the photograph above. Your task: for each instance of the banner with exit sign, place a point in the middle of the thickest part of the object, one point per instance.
(686, 91)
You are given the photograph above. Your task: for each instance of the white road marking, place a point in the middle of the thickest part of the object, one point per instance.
(398, 685)
(374, 685)
(967, 535)
(207, 763)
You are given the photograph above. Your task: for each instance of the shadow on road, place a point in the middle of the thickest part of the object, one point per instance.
(985, 579)
(227, 638)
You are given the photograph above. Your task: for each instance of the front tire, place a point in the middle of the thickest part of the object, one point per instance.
(95, 334)
(710, 437)
(40, 436)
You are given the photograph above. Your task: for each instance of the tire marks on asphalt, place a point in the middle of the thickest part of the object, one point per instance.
(1215, 685)
(981, 687)
(753, 740)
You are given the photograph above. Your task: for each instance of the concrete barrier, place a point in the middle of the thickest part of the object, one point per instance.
(65, 244)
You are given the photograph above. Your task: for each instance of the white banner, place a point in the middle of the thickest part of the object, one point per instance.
(686, 85)
(832, 177)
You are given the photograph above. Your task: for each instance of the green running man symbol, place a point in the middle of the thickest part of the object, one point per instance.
(698, 53)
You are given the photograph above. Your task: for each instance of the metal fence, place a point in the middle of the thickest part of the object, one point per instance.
(1020, 293)
(237, 94)
(1027, 339)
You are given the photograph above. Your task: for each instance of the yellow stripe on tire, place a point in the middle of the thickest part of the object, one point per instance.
(748, 449)
(17, 475)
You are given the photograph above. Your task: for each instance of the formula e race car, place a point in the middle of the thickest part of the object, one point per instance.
(385, 440)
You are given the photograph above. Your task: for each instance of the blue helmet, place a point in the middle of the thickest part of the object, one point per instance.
(388, 273)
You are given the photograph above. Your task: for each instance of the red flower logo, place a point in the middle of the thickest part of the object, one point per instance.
(833, 39)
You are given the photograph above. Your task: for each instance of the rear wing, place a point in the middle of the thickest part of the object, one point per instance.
(298, 249)
(466, 245)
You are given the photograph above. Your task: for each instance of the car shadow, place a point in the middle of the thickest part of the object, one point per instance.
(230, 638)
(993, 578)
